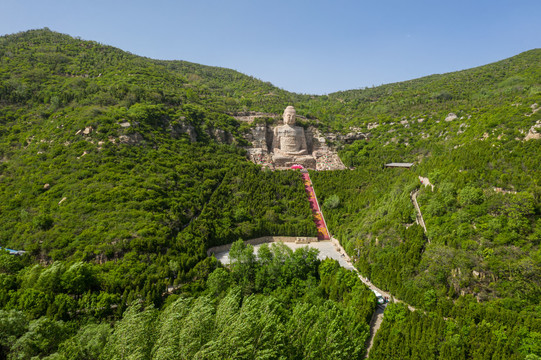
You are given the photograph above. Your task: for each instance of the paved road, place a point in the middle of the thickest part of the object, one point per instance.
(332, 249)
(367, 282)
(326, 250)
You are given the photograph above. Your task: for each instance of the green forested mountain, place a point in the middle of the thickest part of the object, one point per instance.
(474, 135)
(436, 95)
(47, 70)
(117, 172)
(112, 171)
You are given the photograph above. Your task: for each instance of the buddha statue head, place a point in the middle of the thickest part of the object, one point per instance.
(289, 115)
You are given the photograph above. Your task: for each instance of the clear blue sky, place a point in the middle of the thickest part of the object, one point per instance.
(308, 46)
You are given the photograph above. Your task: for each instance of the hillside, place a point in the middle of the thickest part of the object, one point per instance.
(117, 172)
(437, 95)
(474, 135)
(72, 111)
(47, 70)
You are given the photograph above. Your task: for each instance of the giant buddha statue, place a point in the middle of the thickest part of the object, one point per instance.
(289, 143)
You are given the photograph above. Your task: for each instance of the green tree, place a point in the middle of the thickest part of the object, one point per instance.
(332, 202)
(87, 344)
(79, 278)
(42, 338)
(13, 324)
(470, 195)
(133, 336)
(218, 282)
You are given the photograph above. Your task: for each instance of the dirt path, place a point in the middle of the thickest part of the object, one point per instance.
(418, 214)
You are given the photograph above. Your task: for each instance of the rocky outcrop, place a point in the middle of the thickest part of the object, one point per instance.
(181, 128)
(534, 132)
(535, 108)
(260, 136)
(250, 116)
(451, 117)
(260, 152)
(222, 136)
(353, 136)
(178, 128)
(347, 138)
(130, 139)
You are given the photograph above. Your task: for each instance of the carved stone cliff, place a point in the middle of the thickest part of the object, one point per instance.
(303, 146)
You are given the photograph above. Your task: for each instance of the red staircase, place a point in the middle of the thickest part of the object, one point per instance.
(322, 232)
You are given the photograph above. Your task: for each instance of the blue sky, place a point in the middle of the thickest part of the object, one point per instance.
(312, 47)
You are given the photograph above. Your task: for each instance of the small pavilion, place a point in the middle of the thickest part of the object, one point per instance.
(399, 165)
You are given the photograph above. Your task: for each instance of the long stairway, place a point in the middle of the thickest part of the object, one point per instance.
(322, 231)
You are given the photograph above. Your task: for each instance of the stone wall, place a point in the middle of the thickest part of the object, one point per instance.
(262, 240)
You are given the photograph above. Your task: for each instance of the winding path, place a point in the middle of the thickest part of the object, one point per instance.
(367, 282)
(323, 234)
(377, 317)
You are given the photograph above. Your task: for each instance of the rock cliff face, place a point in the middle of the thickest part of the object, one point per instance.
(349, 137)
(261, 138)
(180, 128)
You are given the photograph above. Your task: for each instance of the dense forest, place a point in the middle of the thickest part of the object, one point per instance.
(116, 200)
(118, 172)
(476, 176)
(283, 304)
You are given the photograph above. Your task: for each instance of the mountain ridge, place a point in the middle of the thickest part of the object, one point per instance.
(231, 74)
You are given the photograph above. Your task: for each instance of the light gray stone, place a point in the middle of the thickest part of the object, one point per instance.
(131, 139)
(289, 143)
(451, 117)
(282, 146)
(288, 138)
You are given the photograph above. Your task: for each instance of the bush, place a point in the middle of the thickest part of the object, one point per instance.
(332, 202)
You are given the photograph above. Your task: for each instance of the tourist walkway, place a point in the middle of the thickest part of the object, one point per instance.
(322, 231)
(333, 249)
